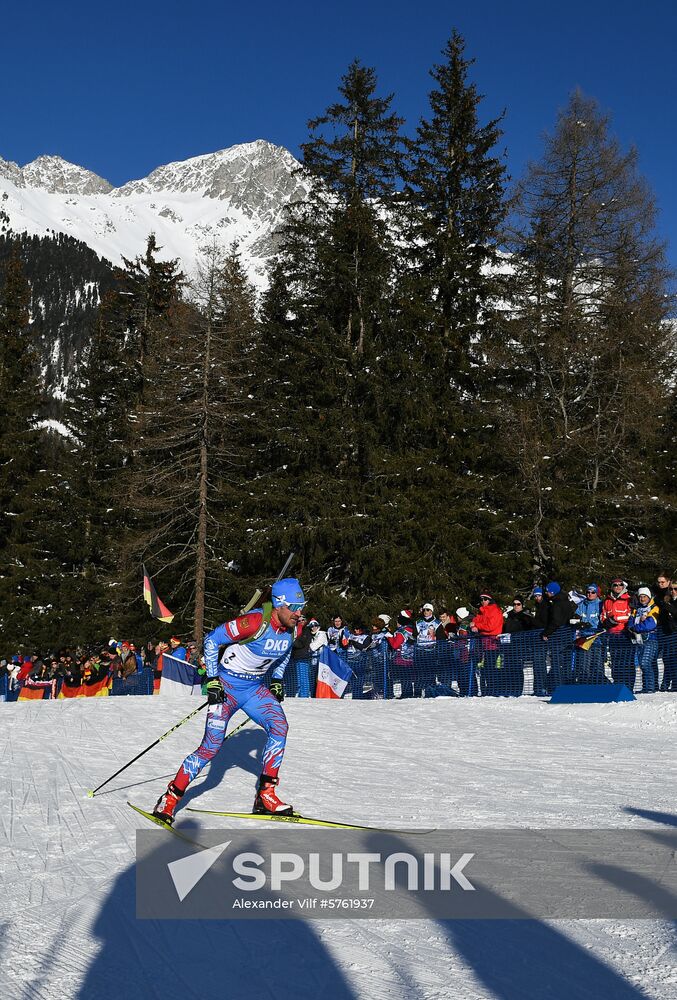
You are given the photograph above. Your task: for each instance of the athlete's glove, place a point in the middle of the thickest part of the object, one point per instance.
(277, 690)
(215, 693)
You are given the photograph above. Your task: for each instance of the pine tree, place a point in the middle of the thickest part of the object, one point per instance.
(151, 287)
(328, 317)
(584, 375)
(355, 153)
(455, 201)
(18, 379)
(186, 483)
(30, 582)
(447, 290)
(101, 407)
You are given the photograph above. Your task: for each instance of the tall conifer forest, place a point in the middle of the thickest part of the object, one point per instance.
(454, 381)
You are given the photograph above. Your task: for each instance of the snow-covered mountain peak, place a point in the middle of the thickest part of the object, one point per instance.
(11, 172)
(58, 176)
(217, 175)
(236, 195)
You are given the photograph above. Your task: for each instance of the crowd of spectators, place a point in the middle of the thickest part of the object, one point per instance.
(88, 667)
(623, 629)
(464, 651)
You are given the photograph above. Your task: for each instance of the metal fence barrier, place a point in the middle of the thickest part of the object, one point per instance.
(510, 665)
(507, 666)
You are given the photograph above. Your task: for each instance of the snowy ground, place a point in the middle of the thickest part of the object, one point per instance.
(67, 924)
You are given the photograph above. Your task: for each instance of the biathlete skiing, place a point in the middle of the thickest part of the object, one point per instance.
(254, 642)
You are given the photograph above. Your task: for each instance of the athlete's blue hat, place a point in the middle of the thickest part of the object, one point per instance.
(288, 592)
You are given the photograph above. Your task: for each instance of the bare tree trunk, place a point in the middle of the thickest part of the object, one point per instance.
(360, 342)
(201, 554)
(201, 549)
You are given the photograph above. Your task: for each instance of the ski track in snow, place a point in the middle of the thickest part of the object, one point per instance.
(67, 924)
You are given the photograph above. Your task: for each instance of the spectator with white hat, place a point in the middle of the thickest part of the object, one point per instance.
(642, 629)
(426, 628)
(318, 637)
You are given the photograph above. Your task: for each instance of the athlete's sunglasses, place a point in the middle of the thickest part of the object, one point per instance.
(296, 607)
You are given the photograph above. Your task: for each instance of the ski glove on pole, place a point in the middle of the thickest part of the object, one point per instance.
(276, 689)
(215, 692)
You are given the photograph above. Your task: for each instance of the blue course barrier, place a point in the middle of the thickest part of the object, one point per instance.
(577, 694)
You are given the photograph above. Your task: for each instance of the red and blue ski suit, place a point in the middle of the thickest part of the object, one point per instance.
(240, 670)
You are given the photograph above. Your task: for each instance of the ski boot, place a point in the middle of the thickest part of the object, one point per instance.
(266, 800)
(167, 803)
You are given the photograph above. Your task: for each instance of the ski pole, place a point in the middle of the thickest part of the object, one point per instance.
(92, 792)
(170, 774)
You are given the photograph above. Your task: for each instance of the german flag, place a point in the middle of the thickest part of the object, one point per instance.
(585, 642)
(33, 690)
(97, 689)
(96, 680)
(96, 683)
(70, 691)
(157, 608)
(32, 693)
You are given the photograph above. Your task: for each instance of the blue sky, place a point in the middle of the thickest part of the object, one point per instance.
(124, 87)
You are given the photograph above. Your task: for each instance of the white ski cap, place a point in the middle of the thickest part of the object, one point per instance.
(462, 613)
(644, 592)
(428, 607)
(385, 619)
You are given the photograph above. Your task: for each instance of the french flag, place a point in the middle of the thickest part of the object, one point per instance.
(333, 674)
(178, 677)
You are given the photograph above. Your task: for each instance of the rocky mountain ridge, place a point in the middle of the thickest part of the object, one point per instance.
(235, 195)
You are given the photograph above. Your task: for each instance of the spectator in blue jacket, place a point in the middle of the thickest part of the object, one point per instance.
(590, 662)
(589, 610)
(177, 649)
(642, 630)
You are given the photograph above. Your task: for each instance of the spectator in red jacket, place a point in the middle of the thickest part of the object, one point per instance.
(486, 625)
(617, 607)
(489, 619)
(26, 667)
(616, 612)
